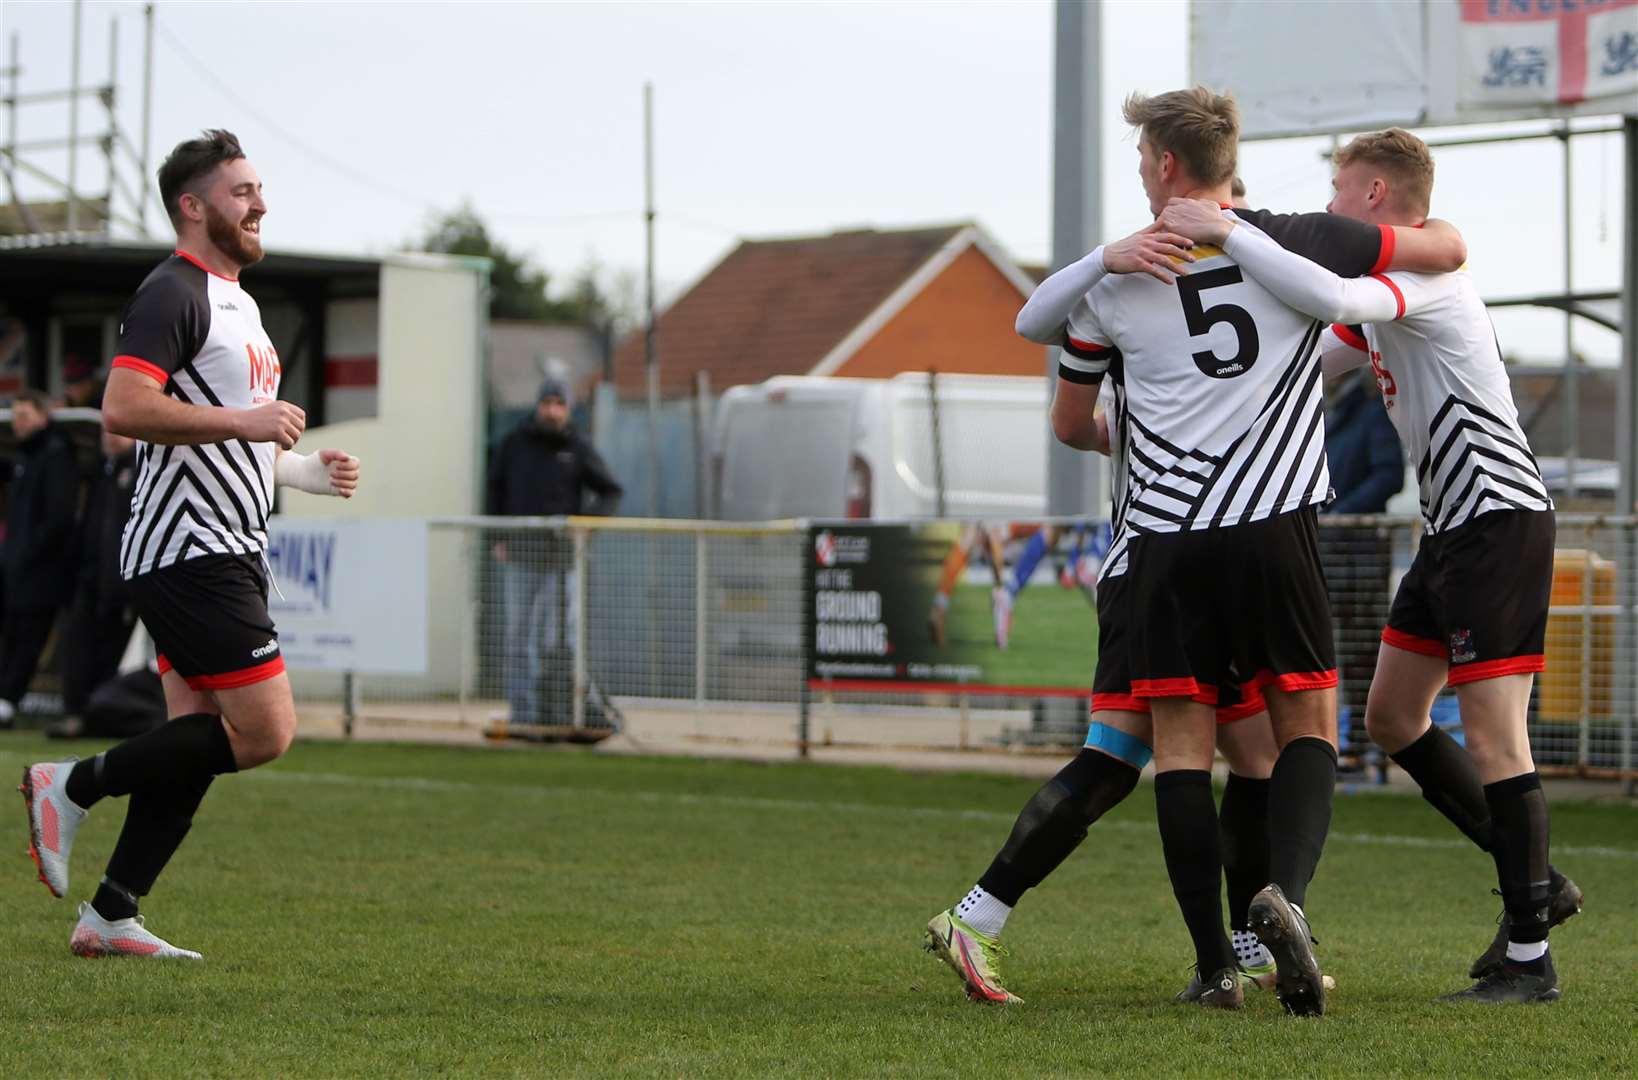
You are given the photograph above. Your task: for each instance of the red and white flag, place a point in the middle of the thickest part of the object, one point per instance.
(1549, 52)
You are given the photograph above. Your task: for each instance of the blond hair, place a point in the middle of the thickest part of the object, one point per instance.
(1199, 127)
(1402, 158)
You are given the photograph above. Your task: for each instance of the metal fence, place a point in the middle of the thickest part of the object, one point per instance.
(697, 629)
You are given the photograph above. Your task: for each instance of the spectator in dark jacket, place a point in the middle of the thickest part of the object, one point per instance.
(542, 468)
(1367, 469)
(1361, 446)
(99, 623)
(38, 562)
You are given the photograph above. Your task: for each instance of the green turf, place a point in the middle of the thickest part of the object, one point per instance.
(386, 910)
(1054, 638)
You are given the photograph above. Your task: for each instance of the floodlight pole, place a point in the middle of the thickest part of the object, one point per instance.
(1572, 365)
(651, 361)
(74, 125)
(147, 112)
(1626, 407)
(1072, 479)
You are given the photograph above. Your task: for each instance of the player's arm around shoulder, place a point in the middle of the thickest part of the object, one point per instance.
(1434, 247)
(327, 472)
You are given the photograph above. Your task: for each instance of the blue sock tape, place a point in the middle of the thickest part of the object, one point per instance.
(1117, 743)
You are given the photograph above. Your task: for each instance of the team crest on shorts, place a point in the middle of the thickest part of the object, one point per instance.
(1461, 646)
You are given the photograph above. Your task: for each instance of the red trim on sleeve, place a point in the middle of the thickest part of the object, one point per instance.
(1411, 643)
(1398, 296)
(1089, 346)
(205, 268)
(1184, 687)
(1495, 669)
(1384, 254)
(1346, 333)
(164, 664)
(142, 367)
(232, 680)
(1118, 703)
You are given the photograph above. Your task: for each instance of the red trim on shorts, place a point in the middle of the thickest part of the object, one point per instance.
(1495, 669)
(1398, 296)
(232, 680)
(164, 664)
(1346, 333)
(143, 367)
(1251, 703)
(1184, 687)
(1384, 254)
(1411, 643)
(224, 277)
(1297, 680)
(1118, 703)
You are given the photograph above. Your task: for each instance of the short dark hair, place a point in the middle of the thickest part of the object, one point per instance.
(36, 398)
(191, 162)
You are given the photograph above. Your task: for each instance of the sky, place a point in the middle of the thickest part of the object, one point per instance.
(367, 119)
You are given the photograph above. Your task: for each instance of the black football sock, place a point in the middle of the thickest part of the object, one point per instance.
(1188, 836)
(1242, 822)
(114, 901)
(189, 748)
(1449, 781)
(156, 822)
(1299, 813)
(1054, 822)
(1518, 814)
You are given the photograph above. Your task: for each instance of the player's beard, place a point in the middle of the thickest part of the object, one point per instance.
(242, 247)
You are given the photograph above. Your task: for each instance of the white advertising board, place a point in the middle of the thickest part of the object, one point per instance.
(351, 593)
(1302, 67)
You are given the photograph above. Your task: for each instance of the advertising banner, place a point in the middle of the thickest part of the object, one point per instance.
(1548, 52)
(1303, 67)
(985, 607)
(351, 594)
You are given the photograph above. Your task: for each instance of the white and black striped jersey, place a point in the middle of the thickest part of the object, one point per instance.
(1223, 417)
(1446, 390)
(200, 335)
(1434, 349)
(1112, 403)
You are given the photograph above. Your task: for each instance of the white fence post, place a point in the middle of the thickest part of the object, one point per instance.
(700, 614)
(580, 679)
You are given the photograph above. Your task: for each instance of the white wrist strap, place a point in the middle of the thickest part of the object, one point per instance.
(304, 472)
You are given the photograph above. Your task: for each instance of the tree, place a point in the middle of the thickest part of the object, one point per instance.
(518, 288)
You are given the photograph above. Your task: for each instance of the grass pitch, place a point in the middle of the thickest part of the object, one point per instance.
(1054, 636)
(390, 910)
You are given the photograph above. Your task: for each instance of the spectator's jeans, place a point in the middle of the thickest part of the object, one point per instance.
(540, 616)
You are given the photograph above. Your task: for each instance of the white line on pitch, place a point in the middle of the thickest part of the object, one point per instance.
(416, 783)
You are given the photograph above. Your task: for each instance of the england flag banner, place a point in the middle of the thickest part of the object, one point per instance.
(1548, 52)
(349, 594)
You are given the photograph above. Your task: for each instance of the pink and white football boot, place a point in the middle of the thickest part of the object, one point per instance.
(53, 819)
(96, 936)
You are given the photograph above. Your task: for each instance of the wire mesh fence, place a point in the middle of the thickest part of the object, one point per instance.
(570, 625)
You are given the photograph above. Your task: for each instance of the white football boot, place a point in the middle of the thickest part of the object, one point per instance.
(96, 936)
(53, 819)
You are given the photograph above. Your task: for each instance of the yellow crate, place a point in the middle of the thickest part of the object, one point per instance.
(1580, 637)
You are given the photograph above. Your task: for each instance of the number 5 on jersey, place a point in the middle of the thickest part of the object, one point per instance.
(1201, 319)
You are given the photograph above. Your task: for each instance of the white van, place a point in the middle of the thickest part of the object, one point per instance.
(820, 447)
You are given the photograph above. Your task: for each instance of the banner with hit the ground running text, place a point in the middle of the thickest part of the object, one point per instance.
(984, 607)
